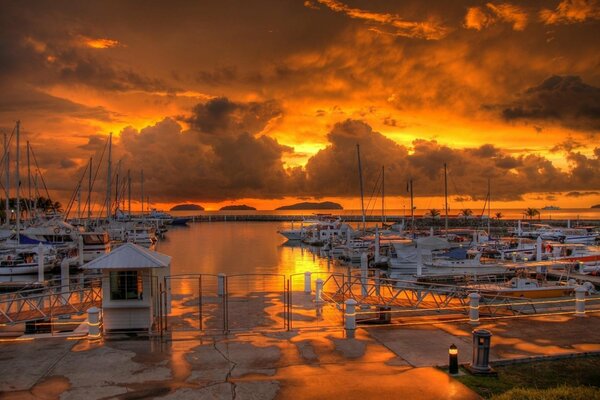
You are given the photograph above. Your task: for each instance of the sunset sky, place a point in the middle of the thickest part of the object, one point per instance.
(263, 102)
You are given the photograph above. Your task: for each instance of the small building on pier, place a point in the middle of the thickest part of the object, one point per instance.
(132, 278)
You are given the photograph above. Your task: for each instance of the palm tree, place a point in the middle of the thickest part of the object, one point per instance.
(531, 212)
(466, 212)
(434, 213)
(499, 216)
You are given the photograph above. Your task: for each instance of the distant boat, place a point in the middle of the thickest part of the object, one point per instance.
(551, 208)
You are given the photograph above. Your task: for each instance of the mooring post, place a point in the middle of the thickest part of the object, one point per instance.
(474, 308)
(220, 284)
(580, 301)
(307, 282)
(350, 318)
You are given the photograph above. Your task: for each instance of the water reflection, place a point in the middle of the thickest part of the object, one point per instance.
(237, 248)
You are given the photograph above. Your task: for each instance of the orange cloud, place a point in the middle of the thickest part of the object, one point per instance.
(421, 30)
(571, 11)
(511, 14)
(477, 18)
(99, 43)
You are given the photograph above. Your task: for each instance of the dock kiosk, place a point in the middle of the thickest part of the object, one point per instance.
(131, 277)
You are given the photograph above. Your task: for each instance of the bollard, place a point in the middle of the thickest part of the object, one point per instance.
(474, 308)
(307, 282)
(319, 291)
(221, 284)
(580, 301)
(350, 318)
(453, 360)
(93, 323)
(40, 256)
(481, 353)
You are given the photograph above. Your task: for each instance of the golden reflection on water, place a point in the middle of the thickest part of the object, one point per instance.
(235, 248)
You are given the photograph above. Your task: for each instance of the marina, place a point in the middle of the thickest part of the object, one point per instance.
(312, 199)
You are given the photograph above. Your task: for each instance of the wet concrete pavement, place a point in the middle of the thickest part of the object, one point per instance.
(386, 362)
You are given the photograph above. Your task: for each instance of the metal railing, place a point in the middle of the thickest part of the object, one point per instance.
(46, 303)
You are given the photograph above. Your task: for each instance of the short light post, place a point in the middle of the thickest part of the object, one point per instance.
(453, 360)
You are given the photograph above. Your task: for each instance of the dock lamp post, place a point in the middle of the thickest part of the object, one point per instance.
(453, 360)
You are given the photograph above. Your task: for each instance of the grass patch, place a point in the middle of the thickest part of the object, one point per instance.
(557, 393)
(562, 374)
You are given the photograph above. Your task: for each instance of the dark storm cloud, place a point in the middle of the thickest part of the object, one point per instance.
(220, 115)
(222, 156)
(333, 170)
(234, 160)
(51, 47)
(564, 100)
(24, 101)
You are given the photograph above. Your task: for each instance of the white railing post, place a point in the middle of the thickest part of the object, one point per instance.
(580, 301)
(350, 318)
(93, 323)
(474, 308)
(319, 291)
(221, 284)
(307, 282)
(364, 274)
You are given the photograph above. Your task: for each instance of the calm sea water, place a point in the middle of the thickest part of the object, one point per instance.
(236, 248)
(510, 213)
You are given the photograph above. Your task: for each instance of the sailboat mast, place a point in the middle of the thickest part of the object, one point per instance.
(446, 197)
(362, 196)
(108, 178)
(412, 205)
(489, 207)
(142, 184)
(89, 199)
(79, 203)
(18, 185)
(7, 188)
(129, 192)
(382, 195)
(117, 184)
(28, 175)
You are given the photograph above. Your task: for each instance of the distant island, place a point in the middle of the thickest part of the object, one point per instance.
(187, 207)
(596, 206)
(326, 205)
(239, 207)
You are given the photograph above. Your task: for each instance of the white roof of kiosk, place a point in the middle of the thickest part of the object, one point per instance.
(130, 256)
